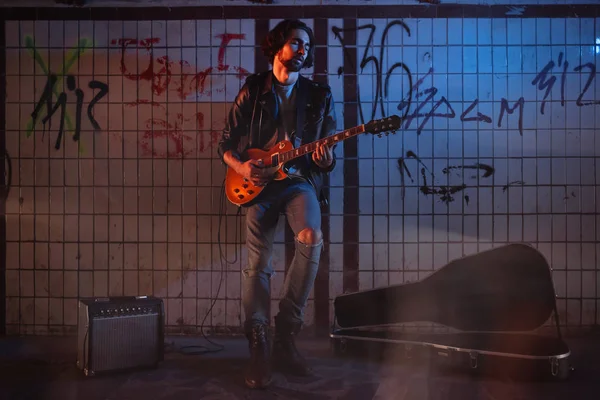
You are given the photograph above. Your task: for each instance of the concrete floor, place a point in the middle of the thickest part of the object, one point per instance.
(44, 368)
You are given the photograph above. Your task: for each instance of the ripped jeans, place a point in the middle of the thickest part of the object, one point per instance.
(297, 199)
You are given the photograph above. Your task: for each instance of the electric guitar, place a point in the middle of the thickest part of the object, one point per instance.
(241, 191)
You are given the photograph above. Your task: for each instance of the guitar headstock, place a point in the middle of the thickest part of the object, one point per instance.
(383, 125)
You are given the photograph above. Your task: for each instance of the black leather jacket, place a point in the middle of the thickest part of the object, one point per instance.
(252, 117)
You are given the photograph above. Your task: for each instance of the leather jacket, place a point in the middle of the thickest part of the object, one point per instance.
(253, 117)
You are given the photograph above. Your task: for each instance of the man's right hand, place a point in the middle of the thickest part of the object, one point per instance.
(253, 171)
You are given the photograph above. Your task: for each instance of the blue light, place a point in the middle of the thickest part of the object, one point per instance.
(597, 47)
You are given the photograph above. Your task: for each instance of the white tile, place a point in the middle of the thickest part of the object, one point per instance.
(365, 149)
(558, 28)
(380, 279)
(365, 280)
(585, 33)
(515, 228)
(381, 257)
(424, 31)
(498, 31)
(440, 31)
(380, 229)
(380, 199)
(336, 229)
(365, 233)
(380, 172)
(572, 313)
(455, 55)
(588, 279)
(365, 258)
(12, 30)
(573, 229)
(588, 312)
(469, 30)
(336, 284)
(455, 31)
(542, 28)
(484, 31)
(573, 284)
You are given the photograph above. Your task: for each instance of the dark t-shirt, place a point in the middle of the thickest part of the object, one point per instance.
(286, 123)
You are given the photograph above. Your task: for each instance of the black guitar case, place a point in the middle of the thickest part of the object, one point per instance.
(489, 303)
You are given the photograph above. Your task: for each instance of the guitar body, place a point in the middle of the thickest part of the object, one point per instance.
(242, 192)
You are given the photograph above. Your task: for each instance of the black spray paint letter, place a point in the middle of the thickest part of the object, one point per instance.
(61, 102)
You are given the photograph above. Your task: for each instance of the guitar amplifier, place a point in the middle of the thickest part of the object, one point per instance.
(119, 333)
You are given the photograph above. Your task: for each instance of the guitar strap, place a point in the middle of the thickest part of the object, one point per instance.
(250, 142)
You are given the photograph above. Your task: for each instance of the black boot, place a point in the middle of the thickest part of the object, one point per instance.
(258, 370)
(286, 357)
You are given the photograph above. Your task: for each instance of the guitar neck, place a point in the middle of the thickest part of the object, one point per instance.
(329, 140)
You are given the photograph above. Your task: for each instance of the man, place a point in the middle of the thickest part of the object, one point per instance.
(271, 106)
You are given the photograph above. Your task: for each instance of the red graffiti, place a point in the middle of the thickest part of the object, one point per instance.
(200, 78)
(162, 77)
(164, 139)
(213, 135)
(173, 146)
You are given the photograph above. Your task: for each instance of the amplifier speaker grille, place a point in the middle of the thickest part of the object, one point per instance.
(119, 333)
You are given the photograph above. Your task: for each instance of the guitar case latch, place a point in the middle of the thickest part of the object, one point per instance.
(474, 358)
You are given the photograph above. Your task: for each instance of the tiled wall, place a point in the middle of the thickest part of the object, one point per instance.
(499, 146)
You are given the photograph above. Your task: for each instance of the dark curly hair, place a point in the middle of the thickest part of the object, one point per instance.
(279, 35)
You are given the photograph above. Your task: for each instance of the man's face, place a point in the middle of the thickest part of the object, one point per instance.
(293, 54)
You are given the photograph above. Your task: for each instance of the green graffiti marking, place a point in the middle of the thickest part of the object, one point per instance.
(72, 57)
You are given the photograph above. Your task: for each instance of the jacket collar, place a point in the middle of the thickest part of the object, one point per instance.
(268, 101)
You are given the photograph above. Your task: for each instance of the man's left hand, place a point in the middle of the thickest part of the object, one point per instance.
(323, 156)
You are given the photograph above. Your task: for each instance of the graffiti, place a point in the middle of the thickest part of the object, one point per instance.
(166, 139)
(504, 107)
(513, 183)
(162, 74)
(444, 192)
(200, 78)
(430, 92)
(50, 89)
(591, 76)
(548, 84)
(426, 97)
(479, 117)
(62, 103)
(544, 82)
(382, 88)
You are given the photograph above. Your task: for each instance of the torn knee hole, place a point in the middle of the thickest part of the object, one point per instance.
(309, 236)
